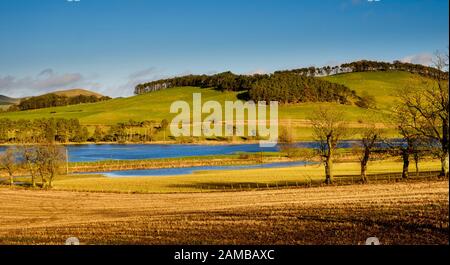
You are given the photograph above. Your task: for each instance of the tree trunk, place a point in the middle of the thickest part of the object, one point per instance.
(328, 171)
(329, 162)
(405, 156)
(364, 161)
(444, 166)
(11, 179)
(33, 177)
(364, 178)
(416, 161)
(445, 147)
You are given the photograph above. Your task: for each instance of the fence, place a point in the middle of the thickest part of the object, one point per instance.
(314, 182)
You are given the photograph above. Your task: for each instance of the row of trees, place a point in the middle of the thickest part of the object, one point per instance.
(43, 162)
(365, 66)
(131, 131)
(421, 118)
(54, 100)
(226, 81)
(71, 131)
(42, 130)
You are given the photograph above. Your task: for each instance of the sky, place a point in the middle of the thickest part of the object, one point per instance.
(109, 46)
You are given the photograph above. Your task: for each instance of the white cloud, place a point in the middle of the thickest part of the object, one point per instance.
(143, 73)
(46, 81)
(423, 58)
(256, 72)
(133, 79)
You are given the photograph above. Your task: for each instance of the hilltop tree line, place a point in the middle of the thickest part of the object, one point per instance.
(64, 131)
(282, 87)
(367, 66)
(53, 100)
(226, 81)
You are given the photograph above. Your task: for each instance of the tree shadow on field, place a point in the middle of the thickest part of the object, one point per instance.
(245, 96)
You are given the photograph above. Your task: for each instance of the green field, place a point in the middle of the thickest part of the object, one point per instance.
(156, 106)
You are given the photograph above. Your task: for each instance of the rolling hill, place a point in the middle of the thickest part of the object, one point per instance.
(76, 92)
(4, 100)
(156, 105)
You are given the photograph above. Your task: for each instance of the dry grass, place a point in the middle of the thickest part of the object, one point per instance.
(401, 213)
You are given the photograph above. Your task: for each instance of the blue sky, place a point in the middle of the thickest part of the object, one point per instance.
(110, 45)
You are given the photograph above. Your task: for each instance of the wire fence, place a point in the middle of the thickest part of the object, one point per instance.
(309, 182)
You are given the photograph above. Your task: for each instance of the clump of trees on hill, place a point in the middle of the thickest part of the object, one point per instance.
(282, 87)
(53, 100)
(291, 88)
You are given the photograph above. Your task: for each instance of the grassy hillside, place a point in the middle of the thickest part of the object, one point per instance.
(382, 85)
(156, 105)
(152, 106)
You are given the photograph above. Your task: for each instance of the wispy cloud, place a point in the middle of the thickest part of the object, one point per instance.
(422, 58)
(45, 81)
(133, 79)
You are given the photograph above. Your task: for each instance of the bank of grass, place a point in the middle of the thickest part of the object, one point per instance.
(180, 162)
(203, 181)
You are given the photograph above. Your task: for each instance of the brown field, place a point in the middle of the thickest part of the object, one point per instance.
(399, 213)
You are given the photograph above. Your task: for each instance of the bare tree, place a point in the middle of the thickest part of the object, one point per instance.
(427, 113)
(370, 139)
(410, 139)
(8, 162)
(29, 156)
(50, 162)
(329, 129)
(286, 141)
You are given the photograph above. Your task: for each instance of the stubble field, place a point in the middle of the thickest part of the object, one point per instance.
(399, 213)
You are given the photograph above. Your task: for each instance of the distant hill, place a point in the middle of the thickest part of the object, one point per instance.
(4, 100)
(57, 99)
(76, 92)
